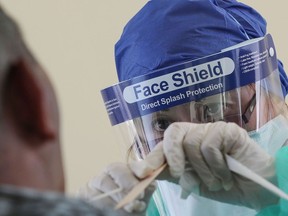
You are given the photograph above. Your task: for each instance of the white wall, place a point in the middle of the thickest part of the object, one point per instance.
(74, 41)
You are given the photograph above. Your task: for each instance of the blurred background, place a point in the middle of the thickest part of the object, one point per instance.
(74, 41)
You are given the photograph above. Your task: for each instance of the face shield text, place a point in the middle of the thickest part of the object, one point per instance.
(149, 90)
(178, 79)
(195, 76)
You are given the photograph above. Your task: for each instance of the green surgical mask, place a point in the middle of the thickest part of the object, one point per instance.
(272, 136)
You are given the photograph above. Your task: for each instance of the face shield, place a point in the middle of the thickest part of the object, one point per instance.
(240, 84)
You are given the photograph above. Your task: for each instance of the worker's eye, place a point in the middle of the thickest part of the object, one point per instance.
(212, 109)
(161, 124)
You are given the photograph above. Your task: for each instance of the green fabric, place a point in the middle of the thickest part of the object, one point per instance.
(152, 209)
(282, 174)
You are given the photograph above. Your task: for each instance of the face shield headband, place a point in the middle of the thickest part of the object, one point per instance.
(233, 86)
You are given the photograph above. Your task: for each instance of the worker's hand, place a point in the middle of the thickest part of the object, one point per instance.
(195, 154)
(117, 175)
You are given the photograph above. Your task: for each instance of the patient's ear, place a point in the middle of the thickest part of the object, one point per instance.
(24, 103)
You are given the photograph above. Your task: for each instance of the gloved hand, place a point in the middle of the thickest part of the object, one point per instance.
(117, 175)
(203, 147)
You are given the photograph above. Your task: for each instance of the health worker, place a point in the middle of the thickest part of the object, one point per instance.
(215, 64)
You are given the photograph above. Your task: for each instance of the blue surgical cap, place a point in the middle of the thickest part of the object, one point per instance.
(164, 33)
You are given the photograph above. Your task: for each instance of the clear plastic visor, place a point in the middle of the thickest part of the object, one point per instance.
(249, 106)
